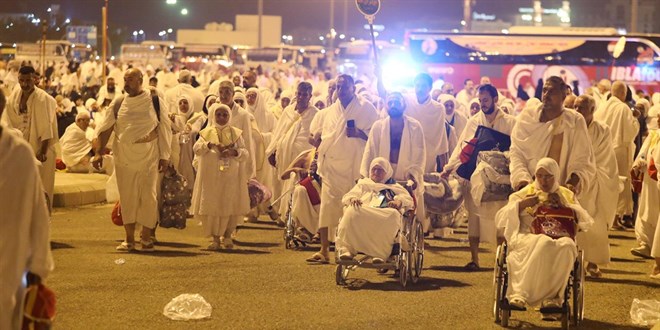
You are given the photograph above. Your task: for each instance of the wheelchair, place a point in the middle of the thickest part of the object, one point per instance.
(572, 309)
(407, 263)
(292, 239)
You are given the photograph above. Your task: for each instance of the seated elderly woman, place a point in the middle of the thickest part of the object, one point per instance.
(372, 214)
(539, 265)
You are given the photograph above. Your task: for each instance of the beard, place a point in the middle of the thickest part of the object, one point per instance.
(111, 89)
(490, 110)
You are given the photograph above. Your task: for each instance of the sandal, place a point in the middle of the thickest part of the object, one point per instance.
(126, 247)
(318, 258)
(593, 271)
(472, 266)
(147, 246)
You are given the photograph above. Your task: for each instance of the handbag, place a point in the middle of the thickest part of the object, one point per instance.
(313, 189)
(653, 171)
(39, 308)
(554, 222)
(116, 215)
(636, 179)
(485, 139)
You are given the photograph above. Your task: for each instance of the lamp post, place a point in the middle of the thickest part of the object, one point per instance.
(104, 47)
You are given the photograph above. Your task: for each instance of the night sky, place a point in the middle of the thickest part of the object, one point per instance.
(155, 15)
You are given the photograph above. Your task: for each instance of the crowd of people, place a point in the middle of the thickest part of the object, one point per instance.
(353, 140)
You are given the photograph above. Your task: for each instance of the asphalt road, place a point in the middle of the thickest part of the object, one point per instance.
(260, 285)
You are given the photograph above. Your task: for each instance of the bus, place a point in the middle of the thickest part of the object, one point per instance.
(57, 51)
(581, 56)
(7, 51)
(196, 57)
(143, 55)
(173, 51)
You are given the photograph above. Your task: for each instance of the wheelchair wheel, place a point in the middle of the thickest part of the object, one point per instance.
(505, 317)
(564, 320)
(404, 274)
(341, 273)
(578, 290)
(417, 260)
(498, 285)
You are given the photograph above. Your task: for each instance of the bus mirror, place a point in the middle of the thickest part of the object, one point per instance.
(619, 47)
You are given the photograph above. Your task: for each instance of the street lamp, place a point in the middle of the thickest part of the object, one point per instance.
(170, 2)
(184, 11)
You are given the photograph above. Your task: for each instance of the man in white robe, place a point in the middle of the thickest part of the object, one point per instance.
(24, 238)
(649, 201)
(655, 249)
(467, 93)
(604, 190)
(481, 224)
(346, 125)
(624, 127)
(602, 92)
(291, 137)
(184, 88)
(399, 139)
(431, 115)
(32, 111)
(142, 148)
(550, 130)
(166, 79)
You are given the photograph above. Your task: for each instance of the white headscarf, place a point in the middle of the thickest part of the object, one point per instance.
(473, 101)
(552, 167)
(444, 98)
(264, 118)
(385, 165)
(652, 117)
(215, 107)
(240, 96)
(191, 106)
(89, 103)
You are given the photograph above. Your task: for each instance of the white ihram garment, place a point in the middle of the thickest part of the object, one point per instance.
(530, 141)
(75, 145)
(40, 125)
(412, 153)
(624, 128)
(486, 211)
(290, 138)
(431, 115)
(24, 238)
(340, 156)
(649, 199)
(136, 164)
(603, 193)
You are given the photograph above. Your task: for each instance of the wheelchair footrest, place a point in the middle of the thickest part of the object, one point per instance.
(507, 307)
(553, 310)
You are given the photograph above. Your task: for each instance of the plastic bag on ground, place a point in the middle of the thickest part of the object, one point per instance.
(187, 307)
(645, 312)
